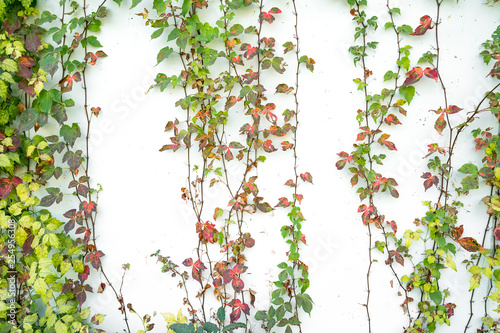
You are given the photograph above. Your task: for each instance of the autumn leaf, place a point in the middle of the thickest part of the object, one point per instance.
(269, 42)
(441, 123)
(392, 119)
(425, 24)
(267, 16)
(299, 197)
(470, 244)
(383, 141)
(394, 226)
(288, 47)
(497, 233)
(452, 109)
(237, 60)
(429, 180)
(345, 158)
(399, 258)
(96, 111)
(413, 76)
(283, 88)
(431, 73)
(89, 206)
(94, 258)
(456, 232)
(198, 268)
(5, 187)
(306, 177)
(250, 51)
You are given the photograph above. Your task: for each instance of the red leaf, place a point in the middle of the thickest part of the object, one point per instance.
(235, 314)
(245, 308)
(345, 158)
(283, 88)
(383, 141)
(399, 258)
(440, 124)
(268, 146)
(96, 111)
(452, 109)
(266, 16)
(290, 183)
(431, 73)
(238, 284)
(286, 145)
(188, 262)
(283, 202)
(361, 136)
(5, 187)
(425, 24)
(457, 232)
(392, 119)
(413, 76)
(394, 226)
(497, 233)
(470, 244)
(429, 180)
(250, 51)
(198, 268)
(306, 177)
(299, 197)
(235, 303)
(237, 60)
(89, 206)
(270, 42)
(250, 77)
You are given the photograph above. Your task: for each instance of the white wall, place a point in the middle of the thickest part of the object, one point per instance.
(141, 210)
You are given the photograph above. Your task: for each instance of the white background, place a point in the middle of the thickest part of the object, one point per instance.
(141, 210)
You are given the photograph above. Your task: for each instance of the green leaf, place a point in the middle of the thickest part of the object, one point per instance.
(182, 328)
(28, 119)
(488, 321)
(210, 327)
(49, 64)
(233, 326)
(261, 315)
(278, 65)
(164, 54)
(470, 182)
(221, 314)
(436, 297)
(92, 40)
(468, 168)
(134, 3)
(45, 101)
(185, 6)
(304, 302)
(61, 327)
(9, 65)
(3, 90)
(119, 2)
(70, 133)
(157, 33)
(474, 281)
(5, 161)
(408, 92)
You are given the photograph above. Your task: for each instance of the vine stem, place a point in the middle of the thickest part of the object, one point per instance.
(370, 164)
(295, 161)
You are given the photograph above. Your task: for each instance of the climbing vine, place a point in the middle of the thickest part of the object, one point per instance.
(239, 79)
(439, 232)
